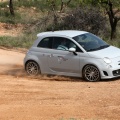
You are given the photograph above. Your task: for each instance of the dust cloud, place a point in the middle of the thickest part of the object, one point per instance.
(11, 63)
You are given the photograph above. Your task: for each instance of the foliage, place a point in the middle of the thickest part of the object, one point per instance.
(109, 6)
(7, 18)
(24, 41)
(111, 12)
(37, 16)
(38, 4)
(84, 18)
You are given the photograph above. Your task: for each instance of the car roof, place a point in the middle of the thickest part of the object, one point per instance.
(68, 33)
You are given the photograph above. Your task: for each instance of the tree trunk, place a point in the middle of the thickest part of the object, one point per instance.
(113, 28)
(62, 4)
(53, 5)
(112, 18)
(68, 2)
(11, 8)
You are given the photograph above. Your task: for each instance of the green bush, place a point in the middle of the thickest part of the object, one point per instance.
(83, 18)
(24, 41)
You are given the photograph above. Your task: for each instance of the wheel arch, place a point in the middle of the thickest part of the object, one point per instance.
(92, 65)
(30, 61)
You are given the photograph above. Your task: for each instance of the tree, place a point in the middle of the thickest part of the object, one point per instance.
(110, 11)
(112, 14)
(110, 7)
(11, 8)
(53, 7)
(84, 18)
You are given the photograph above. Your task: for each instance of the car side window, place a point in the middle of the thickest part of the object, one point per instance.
(61, 43)
(46, 42)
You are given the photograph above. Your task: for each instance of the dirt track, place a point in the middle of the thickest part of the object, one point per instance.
(53, 98)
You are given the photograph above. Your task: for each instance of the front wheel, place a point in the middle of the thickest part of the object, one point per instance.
(91, 73)
(32, 68)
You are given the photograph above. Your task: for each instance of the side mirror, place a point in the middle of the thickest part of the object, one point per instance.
(72, 50)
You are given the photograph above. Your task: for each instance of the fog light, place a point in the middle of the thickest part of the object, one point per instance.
(116, 72)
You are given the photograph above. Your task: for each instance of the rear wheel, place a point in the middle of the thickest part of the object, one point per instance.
(32, 68)
(91, 73)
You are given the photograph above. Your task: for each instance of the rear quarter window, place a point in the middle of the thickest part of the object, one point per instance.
(45, 43)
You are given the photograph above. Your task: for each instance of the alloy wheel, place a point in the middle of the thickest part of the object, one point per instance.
(32, 68)
(91, 73)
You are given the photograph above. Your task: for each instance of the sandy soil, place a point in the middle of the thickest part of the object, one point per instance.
(10, 29)
(53, 98)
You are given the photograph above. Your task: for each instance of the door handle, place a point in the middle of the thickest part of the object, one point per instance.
(61, 57)
(51, 55)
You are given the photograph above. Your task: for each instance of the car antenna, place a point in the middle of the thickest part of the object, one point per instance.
(52, 28)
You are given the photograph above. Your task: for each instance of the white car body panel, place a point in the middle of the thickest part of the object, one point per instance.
(68, 33)
(110, 52)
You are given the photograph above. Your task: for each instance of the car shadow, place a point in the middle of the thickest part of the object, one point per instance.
(20, 72)
(76, 79)
(64, 78)
(110, 80)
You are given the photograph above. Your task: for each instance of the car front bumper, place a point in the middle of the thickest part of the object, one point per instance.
(110, 72)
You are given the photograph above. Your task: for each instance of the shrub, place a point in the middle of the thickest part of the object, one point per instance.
(84, 18)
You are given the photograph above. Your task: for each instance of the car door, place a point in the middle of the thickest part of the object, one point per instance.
(43, 53)
(62, 61)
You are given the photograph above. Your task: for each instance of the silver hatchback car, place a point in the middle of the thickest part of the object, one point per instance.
(73, 53)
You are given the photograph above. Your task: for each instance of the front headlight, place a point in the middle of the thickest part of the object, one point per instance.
(107, 60)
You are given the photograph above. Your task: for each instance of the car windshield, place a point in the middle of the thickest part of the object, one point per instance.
(90, 42)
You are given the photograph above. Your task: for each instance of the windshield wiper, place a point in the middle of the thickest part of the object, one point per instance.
(104, 46)
(99, 48)
(93, 49)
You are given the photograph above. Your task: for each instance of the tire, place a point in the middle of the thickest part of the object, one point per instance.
(91, 73)
(32, 68)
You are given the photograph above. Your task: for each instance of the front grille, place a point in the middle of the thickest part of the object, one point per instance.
(116, 72)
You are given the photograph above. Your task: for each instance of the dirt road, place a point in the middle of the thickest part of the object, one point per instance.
(53, 98)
